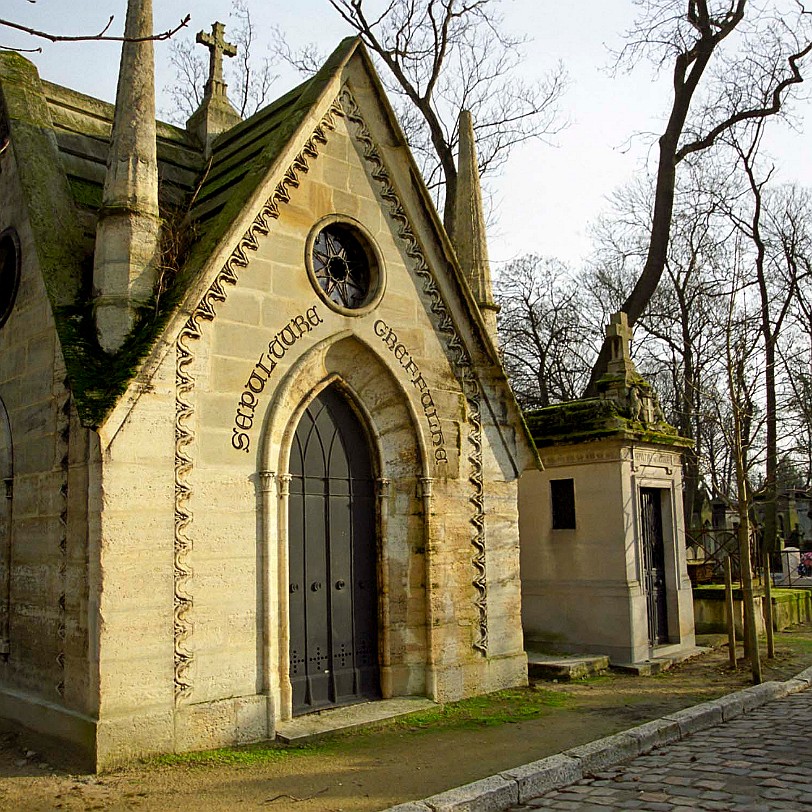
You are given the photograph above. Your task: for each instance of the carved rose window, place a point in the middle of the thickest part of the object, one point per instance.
(341, 266)
(345, 265)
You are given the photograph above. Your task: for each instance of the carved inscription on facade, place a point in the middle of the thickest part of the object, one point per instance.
(277, 349)
(390, 339)
(653, 459)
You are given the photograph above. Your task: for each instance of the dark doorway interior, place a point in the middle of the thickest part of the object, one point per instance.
(651, 517)
(333, 559)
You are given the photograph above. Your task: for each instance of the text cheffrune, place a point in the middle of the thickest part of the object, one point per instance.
(406, 360)
(277, 348)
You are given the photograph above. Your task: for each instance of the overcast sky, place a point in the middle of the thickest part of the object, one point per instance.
(547, 195)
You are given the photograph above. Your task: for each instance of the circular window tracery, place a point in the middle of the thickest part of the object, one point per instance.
(344, 265)
(341, 266)
(9, 273)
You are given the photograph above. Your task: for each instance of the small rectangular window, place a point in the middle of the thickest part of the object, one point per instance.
(562, 492)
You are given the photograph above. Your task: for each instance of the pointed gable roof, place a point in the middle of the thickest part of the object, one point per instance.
(202, 203)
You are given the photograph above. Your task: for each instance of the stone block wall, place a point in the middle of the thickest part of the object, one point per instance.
(193, 527)
(43, 574)
(583, 588)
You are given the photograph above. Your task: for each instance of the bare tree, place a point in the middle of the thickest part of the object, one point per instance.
(677, 335)
(545, 342)
(444, 56)
(774, 221)
(748, 81)
(796, 358)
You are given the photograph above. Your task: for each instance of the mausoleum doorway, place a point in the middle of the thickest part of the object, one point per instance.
(651, 520)
(332, 558)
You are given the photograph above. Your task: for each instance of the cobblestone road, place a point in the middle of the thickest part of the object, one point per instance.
(758, 762)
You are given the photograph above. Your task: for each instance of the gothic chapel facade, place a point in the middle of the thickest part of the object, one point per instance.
(259, 452)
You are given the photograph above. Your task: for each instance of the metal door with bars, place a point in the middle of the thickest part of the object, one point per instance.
(333, 559)
(651, 521)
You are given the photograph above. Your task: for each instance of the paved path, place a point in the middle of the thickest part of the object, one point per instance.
(759, 761)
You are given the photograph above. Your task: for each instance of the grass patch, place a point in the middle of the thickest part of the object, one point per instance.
(797, 643)
(500, 708)
(594, 679)
(247, 755)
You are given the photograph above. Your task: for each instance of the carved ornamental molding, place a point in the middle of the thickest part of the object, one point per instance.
(461, 360)
(205, 311)
(184, 386)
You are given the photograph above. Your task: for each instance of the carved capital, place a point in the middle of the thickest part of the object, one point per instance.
(283, 484)
(426, 487)
(383, 484)
(266, 481)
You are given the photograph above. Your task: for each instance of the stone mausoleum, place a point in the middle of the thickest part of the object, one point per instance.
(258, 451)
(603, 556)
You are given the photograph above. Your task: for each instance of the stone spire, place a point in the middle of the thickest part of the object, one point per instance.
(469, 236)
(127, 234)
(216, 113)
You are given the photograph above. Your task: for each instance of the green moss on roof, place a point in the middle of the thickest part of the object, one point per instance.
(85, 193)
(241, 160)
(593, 419)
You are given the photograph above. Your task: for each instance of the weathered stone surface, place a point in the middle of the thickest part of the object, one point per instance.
(489, 795)
(605, 752)
(697, 717)
(540, 776)
(153, 561)
(655, 734)
(126, 256)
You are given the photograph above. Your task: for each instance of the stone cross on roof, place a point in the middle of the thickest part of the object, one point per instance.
(216, 113)
(620, 335)
(217, 46)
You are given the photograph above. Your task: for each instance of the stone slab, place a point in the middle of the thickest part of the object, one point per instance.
(662, 662)
(655, 734)
(696, 718)
(757, 695)
(732, 705)
(304, 728)
(565, 667)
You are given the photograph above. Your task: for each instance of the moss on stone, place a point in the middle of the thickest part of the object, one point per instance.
(579, 421)
(85, 193)
(53, 200)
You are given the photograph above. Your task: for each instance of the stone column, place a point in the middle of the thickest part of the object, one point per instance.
(426, 491)
(282, 625)
(383, 491)
(268, 567)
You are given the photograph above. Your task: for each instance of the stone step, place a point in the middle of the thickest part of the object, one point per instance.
(312, 725)
(565, 667)
(662, 662)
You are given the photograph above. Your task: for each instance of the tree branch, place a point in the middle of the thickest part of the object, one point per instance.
(102, 35)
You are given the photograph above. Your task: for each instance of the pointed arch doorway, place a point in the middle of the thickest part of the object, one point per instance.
(332, 559)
